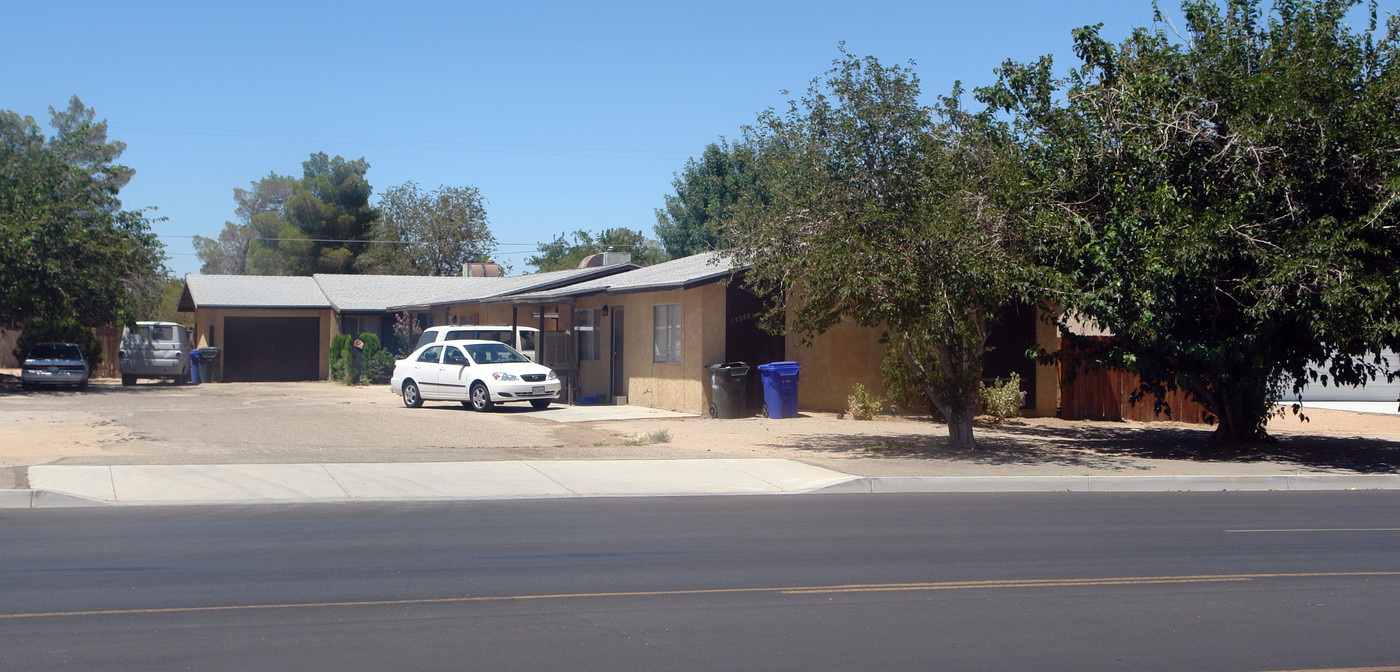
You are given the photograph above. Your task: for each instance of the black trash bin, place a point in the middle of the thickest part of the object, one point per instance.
(209, 365)
(728, 390)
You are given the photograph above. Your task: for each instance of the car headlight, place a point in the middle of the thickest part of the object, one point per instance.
(551, 376)
(507, 377)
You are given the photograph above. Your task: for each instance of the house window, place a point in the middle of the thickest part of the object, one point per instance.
(585, 325)
(666, 333)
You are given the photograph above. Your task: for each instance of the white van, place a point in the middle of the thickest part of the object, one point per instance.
(154, 350)
(501, 333)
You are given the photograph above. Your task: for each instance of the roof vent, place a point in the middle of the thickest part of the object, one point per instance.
(607, 258)
(489, 269)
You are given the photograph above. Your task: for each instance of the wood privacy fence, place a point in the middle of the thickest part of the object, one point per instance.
(1103, 394)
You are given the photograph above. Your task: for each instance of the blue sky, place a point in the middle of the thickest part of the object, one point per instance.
(565, 115)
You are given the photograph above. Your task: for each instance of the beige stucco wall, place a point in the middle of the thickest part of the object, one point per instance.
(848, 354)
(1047, 376)
(680, 387)
(835, 361)
(211, 320)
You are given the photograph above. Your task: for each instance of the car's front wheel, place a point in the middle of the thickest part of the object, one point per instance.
(128, 380)
(480, 397)
(411, 396)
(540, 404)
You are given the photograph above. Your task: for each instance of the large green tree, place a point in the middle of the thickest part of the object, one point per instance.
(707, 193)
(893, 215)
(68, 251)
(565, 252)
(1230, 198)
(320, 223)
(429, 233)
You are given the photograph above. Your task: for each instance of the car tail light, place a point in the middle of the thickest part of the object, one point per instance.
(71, 368)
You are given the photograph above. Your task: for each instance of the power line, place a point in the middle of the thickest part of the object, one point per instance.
(405, 143)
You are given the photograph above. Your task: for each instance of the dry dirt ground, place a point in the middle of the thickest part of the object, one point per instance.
(325, 422)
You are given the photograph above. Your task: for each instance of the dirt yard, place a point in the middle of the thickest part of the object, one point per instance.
(326, 422)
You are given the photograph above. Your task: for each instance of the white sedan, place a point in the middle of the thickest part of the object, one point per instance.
(477, 373)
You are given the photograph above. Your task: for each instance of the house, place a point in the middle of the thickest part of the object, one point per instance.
(645, 337)
(279, 328)
(617, 332)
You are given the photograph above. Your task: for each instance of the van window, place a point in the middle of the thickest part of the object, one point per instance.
(527, 340)
(426, 338)
(161, 332)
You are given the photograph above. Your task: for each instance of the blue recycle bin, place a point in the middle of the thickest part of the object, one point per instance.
(194, 367)
(780, 388)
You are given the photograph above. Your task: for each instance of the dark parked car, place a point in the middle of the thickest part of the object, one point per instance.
(54, 364)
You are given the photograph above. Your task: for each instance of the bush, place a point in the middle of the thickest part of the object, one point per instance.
(378, 363)
(904, 389)
(862, 405)
(60, 330)
(340, 347)
(1003, 399)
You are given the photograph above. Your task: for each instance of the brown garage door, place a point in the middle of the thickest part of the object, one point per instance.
(271, 348)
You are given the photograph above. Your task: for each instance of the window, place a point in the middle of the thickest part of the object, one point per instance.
(431, 355)
(666, 333)
(585, 325)
(455, 357)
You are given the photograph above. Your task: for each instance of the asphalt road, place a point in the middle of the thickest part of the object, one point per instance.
(1208, 581)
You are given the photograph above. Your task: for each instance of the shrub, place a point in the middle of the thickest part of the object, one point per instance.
(378, 363)
(340, 346)
(1003, 399)
(862, 405)
(903, 388)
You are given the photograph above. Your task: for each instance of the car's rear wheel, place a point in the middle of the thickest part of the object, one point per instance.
(82, 387)
(480, 398)
(411, 397)
(180, 379)
(540, 404)
(128, 380)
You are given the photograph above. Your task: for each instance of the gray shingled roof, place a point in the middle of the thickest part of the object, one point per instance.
(674, 274)
(369, 293)
(351, 293)
(254, 291)
(518, 284)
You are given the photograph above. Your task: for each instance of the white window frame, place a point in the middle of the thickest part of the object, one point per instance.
(666, 333)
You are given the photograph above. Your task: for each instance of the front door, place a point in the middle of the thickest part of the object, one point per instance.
(619, 385)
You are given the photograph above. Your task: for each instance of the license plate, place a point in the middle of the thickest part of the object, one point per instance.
(53, 369)
(539, 389)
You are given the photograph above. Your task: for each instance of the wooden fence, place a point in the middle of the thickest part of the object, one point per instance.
(1103, 394)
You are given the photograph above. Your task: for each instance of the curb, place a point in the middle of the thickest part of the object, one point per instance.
(994, 484)
(45, 499)
(48, 499)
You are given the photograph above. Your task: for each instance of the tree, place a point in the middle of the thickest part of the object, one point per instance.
(893, 215)
(230, 253)
(1230, 201)
(707, 193)
(320, 223)
(431, 233)
(67, 249)
(330, 209)
(563, 253)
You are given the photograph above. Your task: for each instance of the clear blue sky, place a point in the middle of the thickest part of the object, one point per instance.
(565, 115)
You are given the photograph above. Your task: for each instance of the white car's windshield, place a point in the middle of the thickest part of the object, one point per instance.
(494, 353)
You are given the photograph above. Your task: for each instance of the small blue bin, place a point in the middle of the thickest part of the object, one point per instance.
(780, 388)
(194, 367)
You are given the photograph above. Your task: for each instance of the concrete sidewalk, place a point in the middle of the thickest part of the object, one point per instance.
(60, 486)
